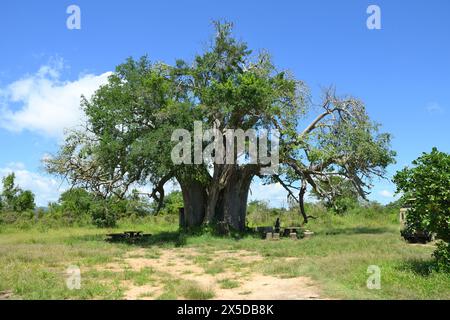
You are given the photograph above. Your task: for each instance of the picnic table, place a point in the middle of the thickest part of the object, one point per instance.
(127, 236)
(133, 234)
(292, 229)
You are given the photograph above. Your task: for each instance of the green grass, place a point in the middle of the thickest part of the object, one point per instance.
(192, 291)
(229, 284)
(141, 277)
(214, 269)
(187, 289)
(33, 261)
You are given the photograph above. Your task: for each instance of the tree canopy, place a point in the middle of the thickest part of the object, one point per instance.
(126, 140)
(13, 198)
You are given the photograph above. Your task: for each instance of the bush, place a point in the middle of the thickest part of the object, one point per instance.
(104, 214)
(24, 201)
(78, 206)
(72, 208)
(342, 205)
(171, 203)
(428, 185)
(442, 256)
(22, 220)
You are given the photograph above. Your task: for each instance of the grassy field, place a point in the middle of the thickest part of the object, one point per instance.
(33, 260)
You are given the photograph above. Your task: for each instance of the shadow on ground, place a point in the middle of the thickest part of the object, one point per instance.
(179, 238)
(174, 238)
(421, 268)
(357, 230)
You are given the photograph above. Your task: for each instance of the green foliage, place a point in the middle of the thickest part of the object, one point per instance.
(77, 205)
(13, 198)
(428, 185)
(104, 213)
(73, 208)
(259, 213)
(171, 203)
(130, 121)
(76, 201)
(24, 201)
(10, 190)
(442, 256)
(396, 205)
(335, 258)
(342, 195)
(257, 206)
(342, 204)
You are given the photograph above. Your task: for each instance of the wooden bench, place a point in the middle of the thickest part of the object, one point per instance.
(288, 230)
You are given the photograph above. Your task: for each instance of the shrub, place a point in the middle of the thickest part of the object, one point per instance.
(24, 201)
(428, 185)
(442, 256)
(78, 206)
(104, 214)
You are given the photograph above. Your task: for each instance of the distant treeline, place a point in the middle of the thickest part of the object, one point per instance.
(78, 207)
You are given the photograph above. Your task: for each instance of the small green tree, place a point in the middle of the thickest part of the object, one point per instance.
(10, 191)
(24, 201)
(74, 204)
(14, 198)
(428, 183)
(77, 204)
(103, 215)
(171, 203)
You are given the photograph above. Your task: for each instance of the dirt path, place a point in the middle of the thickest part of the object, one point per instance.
(234, 278)
(6, 295)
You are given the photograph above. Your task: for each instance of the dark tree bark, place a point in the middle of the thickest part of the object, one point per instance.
(229, 200)
(234, 198)
(194, 198)
(301, 198)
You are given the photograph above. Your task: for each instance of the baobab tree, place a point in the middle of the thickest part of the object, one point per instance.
(126, 140)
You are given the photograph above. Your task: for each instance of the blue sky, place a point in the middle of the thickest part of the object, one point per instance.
(402, 71)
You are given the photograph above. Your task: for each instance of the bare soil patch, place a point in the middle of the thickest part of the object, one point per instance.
(6, 295)
(190, 264)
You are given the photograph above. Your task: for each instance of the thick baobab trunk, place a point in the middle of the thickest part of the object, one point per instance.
(214, 194)
(234, 199)
(194, 198)
(225, 204)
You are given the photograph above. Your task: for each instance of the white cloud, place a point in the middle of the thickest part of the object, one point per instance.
(45, 188)
(435, 108)
(386, 194)
(274, 194)
(45, 104)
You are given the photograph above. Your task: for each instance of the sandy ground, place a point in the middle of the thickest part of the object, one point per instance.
(6, 295)
(180, 263)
